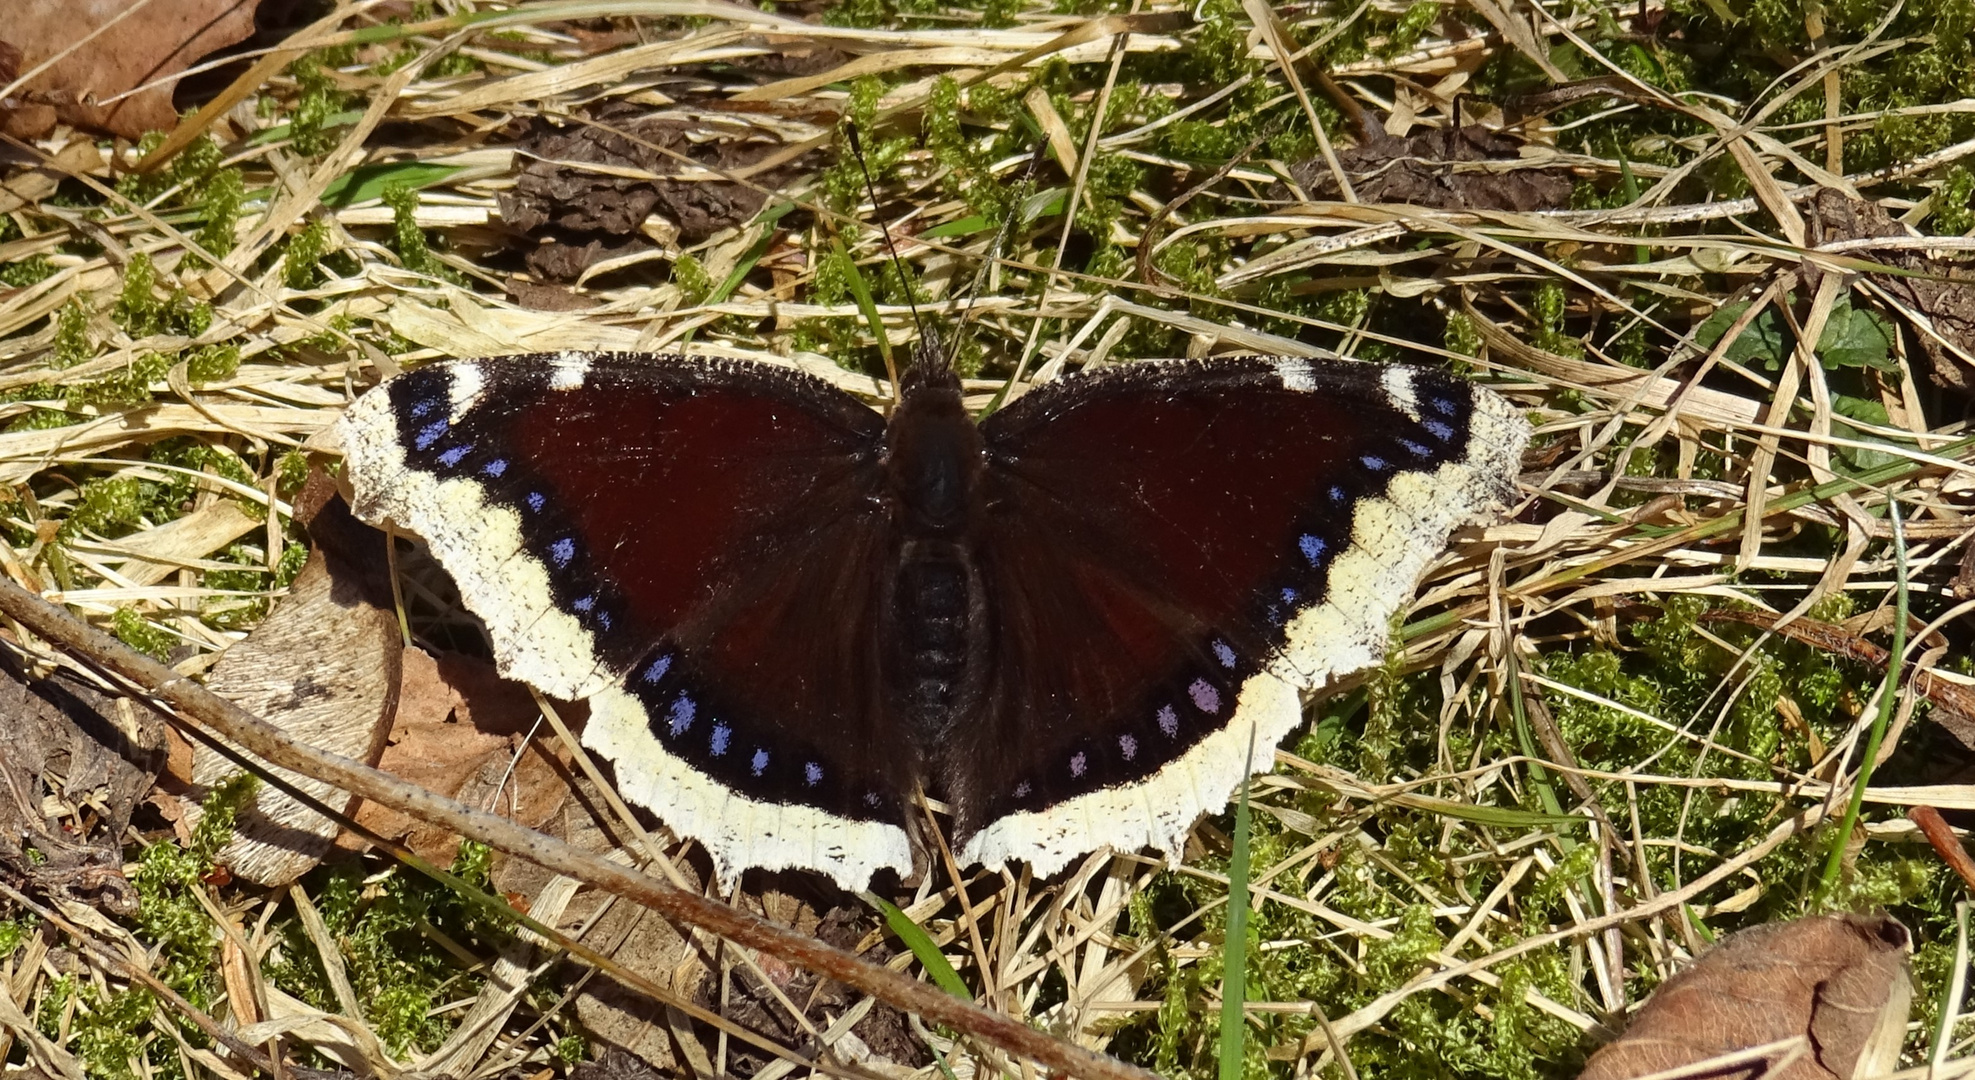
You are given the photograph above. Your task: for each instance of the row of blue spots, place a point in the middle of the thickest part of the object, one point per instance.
(683, 711)
(1206, 697)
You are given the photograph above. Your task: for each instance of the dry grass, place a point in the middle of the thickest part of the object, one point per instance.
(1561, 784)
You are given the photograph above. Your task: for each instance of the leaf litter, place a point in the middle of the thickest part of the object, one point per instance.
(1410, 883)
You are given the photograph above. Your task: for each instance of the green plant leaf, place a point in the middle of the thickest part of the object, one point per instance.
(1766, 340)
(367, 182)
(922, 946)
(1867, 411)
(1856, 337)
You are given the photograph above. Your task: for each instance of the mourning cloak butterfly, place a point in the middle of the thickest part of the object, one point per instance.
(1071, 621)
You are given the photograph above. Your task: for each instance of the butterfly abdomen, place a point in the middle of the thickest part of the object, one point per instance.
(933, 622)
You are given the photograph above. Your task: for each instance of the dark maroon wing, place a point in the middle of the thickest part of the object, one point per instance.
(689, 543)
(1174, 549)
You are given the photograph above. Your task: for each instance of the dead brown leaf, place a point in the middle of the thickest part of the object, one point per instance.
(1836, 982)
(324, 667)
(146, 48)
(74, 762)
(480, 749)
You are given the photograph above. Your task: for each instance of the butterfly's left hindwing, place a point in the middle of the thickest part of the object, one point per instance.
(656, 534)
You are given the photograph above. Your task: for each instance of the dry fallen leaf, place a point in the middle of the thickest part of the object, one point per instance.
(485, 755)
(1836, 983)
(323, 667)
(144, 51)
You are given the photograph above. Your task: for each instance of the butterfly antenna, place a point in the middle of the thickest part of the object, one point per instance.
(927, 357)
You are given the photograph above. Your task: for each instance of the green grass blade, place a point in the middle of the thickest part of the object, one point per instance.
(1234, 954)
(1889, 691)
(860, 291)
(369, 181)
(922, 946)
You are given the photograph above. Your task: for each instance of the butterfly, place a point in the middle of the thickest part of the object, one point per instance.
(1080, 622)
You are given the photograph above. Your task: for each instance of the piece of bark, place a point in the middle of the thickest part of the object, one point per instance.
(572, 216)
(1838, 981)
(1466, 168)
(325, 667)
(74, 762)
(147, 48)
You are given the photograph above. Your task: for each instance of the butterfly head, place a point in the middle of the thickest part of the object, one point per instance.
(931, 372)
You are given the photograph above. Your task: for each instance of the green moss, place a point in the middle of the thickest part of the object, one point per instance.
(72, 344)
(386, 928)
(1549, 307)
(1954, 202)
(291, 472)
(106, 506)
(21, 273)
(183, 939)
(695, 284)
(301, 263)
(310, 131)
(408, 239)
(15, 933)
(130, 386)
(135, 631)
(224, 193)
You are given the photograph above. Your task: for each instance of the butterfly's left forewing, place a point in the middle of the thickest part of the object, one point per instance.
(682, 542)
(1207, 539)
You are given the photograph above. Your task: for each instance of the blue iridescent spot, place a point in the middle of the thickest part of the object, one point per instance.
(1313, 548)
(1128, 746)
(429, 434)
(1224, 653)
(1339, 495)
(1375, 463)
(1290, 596)
(657, 668)
(1169, 721)
(721, 735)
(1419, 450)
(1205, 697)
(603, 620)
(1438, 429)
(423, 407)
(1078, 763)
(583, 603)
(812, 774)
(454, 456)
(1022, 790)
(871, 799)
(562, 551)
(1444, 406)
(681, 716)
(537, 500)
(495, 467)
(759, 763)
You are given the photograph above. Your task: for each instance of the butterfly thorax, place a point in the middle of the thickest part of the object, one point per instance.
(934, 622)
